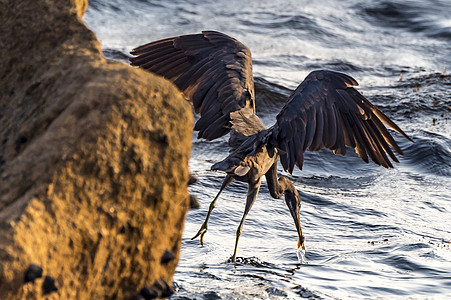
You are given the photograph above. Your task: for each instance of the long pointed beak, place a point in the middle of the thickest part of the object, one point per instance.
(293, 201)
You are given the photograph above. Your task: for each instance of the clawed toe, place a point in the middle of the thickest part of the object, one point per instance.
(201, 232)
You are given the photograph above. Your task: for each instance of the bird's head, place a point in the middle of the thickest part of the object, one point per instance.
(293, 201)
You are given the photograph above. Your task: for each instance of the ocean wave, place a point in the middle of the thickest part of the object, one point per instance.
(336, 65)
(269, 97)
(431, 154)
(421, 99)
(114, 54)
(437, 80)
(367, 228)
(428, 17)
(276, 21)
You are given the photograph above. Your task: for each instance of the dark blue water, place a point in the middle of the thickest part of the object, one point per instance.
(370, 232)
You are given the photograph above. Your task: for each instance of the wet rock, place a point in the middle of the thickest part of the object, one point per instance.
(192, 179)
(160, 289)
(167, 256)
(211, 295)
(253, 261)
(307, 294)
(48, 286)
(88, 145)
(272, 291)
(33, 272)
(164, 287)
(193, 202)
(149, 293)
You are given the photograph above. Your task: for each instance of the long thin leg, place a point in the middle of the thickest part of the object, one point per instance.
(252, 193)
(203, 229)
(272, 180)
(282, 185)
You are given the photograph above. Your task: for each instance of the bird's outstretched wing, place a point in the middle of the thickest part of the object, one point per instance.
(212, 69)
(325, 111)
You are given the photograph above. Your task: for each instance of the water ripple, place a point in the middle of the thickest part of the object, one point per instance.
(370, 232)
(431, 153)
(430, 17)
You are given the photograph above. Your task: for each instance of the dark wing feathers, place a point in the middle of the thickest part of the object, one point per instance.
(325, 111)
(212, 69)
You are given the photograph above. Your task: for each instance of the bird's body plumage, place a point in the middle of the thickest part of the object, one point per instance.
(214, 71)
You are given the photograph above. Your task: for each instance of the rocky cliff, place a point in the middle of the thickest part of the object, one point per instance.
(93, 163)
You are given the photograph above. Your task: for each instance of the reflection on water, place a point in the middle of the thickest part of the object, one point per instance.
(370, 232)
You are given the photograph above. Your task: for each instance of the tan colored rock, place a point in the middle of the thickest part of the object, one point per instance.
(93, 161)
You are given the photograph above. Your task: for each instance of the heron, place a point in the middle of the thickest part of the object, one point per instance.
(214, 72)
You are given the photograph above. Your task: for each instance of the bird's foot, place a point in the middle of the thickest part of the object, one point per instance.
(300, 252)
(233, 259)
(201, 232)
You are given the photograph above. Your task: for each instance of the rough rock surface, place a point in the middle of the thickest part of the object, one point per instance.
(93, 162)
